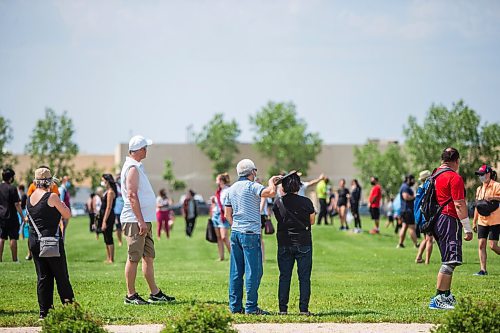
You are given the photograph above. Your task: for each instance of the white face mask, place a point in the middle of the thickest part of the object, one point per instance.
(482, 178)
(103, 183)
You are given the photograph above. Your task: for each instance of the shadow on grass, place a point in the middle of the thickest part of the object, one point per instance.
(6, 313)
(346, 313)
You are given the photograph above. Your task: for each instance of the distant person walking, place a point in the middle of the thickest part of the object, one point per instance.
(91, 211)
(374, 202)
(428, 242)
(306, 185)
(450, 194)
(355, 199)
(322, 195)
(242, 211)
(407, 200)
(163, 213)
(118, 209)
(342, 204)
(219, 219)
(10, 206)
(45, 210)
(190, 212)
(295, 215)
(24, 230)
(487, 215)
(107, 215)
(66, 198)
(137, 215)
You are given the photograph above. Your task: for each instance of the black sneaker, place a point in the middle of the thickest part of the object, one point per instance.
(305, 313)
(259, 312)
(238, 312)
(160, 298)
(135, 299)
(481, 273)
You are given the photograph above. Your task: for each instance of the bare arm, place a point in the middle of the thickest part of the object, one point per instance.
(19, 210)
(54, 201)
(461, 207)
(407, 197)
(315, 181)
(263, 203)
(312, 218)
(132, 183)
(270, 190)
(228, 213)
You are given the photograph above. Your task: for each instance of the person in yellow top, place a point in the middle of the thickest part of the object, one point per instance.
(321, 193)
(487, 214)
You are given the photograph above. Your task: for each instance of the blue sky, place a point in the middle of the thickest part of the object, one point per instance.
(355, 69)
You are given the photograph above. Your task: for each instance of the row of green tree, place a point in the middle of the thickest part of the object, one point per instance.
(282, 137)
(459, 127)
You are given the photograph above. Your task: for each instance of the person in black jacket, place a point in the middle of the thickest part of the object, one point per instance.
(354, 199)
(295, 215)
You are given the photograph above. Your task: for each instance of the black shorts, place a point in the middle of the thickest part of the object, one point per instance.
(375, 213)
(491, 232)
(391, 218)
(408, 217)
(9, 229)
(448, 234)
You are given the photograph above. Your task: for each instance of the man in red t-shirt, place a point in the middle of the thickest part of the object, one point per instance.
(374, 200)
(450, 194)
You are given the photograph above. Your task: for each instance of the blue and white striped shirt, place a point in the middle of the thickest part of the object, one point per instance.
(244, 198)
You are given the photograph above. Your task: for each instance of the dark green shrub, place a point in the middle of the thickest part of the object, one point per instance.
(202, 318)
(472, 317)
(71, 318)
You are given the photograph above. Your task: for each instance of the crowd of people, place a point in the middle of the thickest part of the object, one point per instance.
(238, 213)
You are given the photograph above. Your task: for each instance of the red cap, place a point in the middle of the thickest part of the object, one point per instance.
(483, 169)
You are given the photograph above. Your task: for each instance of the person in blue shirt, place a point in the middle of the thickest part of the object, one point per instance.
(407, 197)
(242, 210)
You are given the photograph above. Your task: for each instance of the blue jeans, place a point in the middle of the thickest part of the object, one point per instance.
(287, 255)
(246, 259)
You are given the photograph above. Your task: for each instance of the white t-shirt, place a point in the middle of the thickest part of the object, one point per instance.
(163, 203)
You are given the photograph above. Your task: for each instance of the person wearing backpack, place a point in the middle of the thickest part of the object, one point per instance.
(428, 241)
(487, 213)
(452, 218)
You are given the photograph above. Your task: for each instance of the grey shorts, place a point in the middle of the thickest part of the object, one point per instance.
(448, 233)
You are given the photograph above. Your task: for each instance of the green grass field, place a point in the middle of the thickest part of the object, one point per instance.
(356, 278)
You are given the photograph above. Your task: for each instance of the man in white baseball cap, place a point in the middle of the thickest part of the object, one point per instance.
(138, 142)
(139, 211)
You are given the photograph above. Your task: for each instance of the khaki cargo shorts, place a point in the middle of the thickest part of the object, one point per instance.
(138, 246)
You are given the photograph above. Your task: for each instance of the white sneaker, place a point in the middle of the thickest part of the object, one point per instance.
(441, 302)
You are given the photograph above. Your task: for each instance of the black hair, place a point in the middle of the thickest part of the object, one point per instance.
(409, 177)
(192, 193)
(450, 154)
(109, 178)
(291, 184)
(21, 187)
(493, 175)
(162, 192)
(376, 178)
(8, 174)
(356, 182)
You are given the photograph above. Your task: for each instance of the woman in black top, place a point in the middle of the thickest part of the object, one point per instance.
(45, 209)
(342, 203)
(354, 199)
(295, 215)
(107, 215)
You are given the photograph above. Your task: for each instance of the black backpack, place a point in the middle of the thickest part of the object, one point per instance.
(429, 208)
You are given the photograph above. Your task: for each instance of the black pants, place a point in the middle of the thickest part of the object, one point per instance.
(91, 222)
(322, 211)
(355, 215)
(287, 256)
(48, 270)
(190, 226)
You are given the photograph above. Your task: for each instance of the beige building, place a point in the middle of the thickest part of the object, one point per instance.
(193, 167)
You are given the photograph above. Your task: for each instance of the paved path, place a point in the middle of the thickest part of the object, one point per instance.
(269, 328)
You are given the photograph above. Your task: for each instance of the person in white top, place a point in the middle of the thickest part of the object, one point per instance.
(139, 206)
(163, 213)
